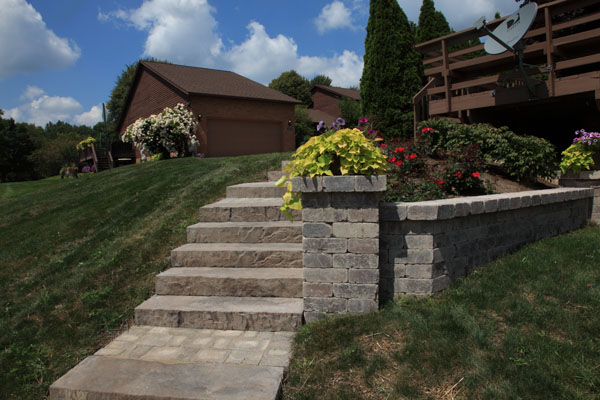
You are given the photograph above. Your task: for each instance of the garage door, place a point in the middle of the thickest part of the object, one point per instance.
(234, 138)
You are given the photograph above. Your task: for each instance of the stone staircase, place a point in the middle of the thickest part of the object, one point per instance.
(220, 324)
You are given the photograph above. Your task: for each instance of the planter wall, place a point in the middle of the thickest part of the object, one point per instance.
(585, 179)
(423, 246)
(340, 243)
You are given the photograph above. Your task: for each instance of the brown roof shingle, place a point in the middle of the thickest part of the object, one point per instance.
(343, 92)
(214, 82)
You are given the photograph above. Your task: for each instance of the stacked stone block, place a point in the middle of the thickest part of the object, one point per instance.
(585, 179)
(423, 246)
(340, 243)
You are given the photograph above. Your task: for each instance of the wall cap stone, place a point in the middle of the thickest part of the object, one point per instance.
(459, 207)
(339, 184)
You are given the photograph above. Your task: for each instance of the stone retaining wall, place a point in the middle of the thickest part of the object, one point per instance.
(585, 179)
(423, 246)
(340, 243)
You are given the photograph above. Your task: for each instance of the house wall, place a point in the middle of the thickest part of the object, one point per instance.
(236, 112)
(326, 102)
(151, 96)
(425, 245)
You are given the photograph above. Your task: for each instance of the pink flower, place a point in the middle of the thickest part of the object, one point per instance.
(425, 130)
(363, 120)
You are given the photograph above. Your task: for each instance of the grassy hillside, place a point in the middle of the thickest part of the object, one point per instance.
(76, 256)
(523, 327)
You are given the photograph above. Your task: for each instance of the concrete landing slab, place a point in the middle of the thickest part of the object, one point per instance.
(107, 378)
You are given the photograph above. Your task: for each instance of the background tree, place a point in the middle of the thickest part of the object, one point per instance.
(56, 153)
(391, 73)
(294, 85)
(303, 125)
(118, 96)
(17, 142)
(320, 80)
(432, 23)
(350, 110)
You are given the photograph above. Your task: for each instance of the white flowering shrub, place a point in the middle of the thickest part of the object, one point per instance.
(171, 131)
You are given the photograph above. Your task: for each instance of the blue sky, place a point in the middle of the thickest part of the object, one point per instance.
(60, 59)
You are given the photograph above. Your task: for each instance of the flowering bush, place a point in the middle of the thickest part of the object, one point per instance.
(171, 131)
(580, 155)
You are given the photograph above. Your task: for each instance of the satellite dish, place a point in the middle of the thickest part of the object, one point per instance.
(512, 30)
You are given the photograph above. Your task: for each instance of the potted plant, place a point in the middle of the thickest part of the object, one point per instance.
(583, 154)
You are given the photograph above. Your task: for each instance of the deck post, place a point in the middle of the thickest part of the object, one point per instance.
(549, 50)
(446, 73)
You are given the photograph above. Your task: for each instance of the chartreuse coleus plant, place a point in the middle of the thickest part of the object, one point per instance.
(579, 156)
(341, 152)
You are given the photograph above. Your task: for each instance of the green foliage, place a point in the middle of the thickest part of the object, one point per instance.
(350, 110)
(520, 157)
(321, 80)
(577, 158)
(294, 85)
(391, 75)
(432, 23)
(79, 255)
(303, 125)
(341, 152)
(118, 95)
(17, 142)
(55, 153)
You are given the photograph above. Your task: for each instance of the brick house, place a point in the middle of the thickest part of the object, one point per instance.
(326, 102)
(236, 115)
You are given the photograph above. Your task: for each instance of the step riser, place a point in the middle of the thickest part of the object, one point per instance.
(244, 259)
(245, 214)
(271, 191)
(207, 286)
(292, 234)
(219, 320)
(274, 176)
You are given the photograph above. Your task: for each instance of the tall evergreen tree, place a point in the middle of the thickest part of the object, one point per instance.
(432, 23)
(391, 73)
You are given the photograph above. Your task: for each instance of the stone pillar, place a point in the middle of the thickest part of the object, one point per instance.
(589, 179)
(340, 243)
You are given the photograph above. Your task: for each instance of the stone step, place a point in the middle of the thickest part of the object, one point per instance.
(108, 378)
(243, 282)
(243, 255)
(238, 313)
(255, 190)
(245, 232)
(274, 176)
(246, 210)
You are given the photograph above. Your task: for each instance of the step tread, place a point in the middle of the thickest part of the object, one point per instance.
(261, 184)
(291, 247)
(251, 305)
(115, 379)
(254, 224)
(247, 202)
(235, 273)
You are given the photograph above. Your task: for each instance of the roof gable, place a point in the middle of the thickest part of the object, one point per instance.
(212, 82)
(340, 92)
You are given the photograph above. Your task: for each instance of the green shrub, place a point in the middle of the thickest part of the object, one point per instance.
(520, 157)
(303, 125)
(576, 158)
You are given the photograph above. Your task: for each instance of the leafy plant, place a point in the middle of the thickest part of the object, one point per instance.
(576, 158)
(335, 152)
(520, 157)
(85, 143)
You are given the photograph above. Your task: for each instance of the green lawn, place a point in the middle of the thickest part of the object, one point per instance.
(524, 327)
(76, 256)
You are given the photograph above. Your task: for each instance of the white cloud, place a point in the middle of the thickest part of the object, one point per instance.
(89, 118)
(31, 92)
(27, 45)
(334, 16)
(41, 109)
(470, 10)
(173, 24)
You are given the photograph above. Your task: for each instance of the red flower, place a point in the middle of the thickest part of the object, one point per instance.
(441, 182)
(425, 130)
(458, 175)
(399, 150)
(383, 146)
(391, 160)
(412, 157)
(399, 163)
(476, 175)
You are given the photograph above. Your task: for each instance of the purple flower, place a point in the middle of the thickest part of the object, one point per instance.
(340, 121)
(320, 126)
(86, 169)
(335, 126)
(360, 128)
(363, 120)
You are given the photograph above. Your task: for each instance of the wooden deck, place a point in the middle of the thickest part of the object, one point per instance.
(562, 49)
